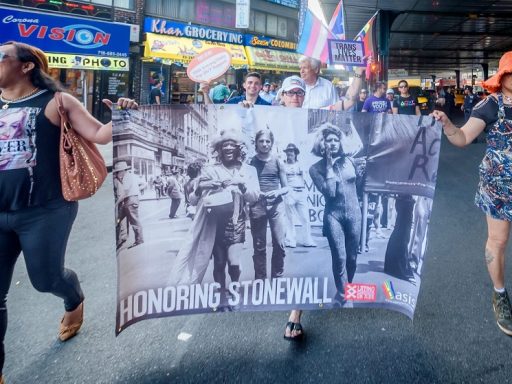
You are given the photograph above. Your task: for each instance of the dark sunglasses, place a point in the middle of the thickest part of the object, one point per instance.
(294, 93)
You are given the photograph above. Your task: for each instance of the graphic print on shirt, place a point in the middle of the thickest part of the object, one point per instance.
(17, 138)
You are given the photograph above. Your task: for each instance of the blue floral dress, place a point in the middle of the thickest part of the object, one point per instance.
(494, 195)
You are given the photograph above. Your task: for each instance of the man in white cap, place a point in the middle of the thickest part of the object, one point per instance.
(127, 189)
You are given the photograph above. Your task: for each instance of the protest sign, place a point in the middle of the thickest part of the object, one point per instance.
(346, 52)
(209, 65)
(224, 233)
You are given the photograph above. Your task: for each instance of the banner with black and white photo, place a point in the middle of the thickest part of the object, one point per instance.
(224, 208)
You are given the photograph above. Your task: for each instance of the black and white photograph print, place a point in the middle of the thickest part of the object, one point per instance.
(221, 208)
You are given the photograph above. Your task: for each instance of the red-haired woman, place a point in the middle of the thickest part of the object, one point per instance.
(34, 217)
(494, 195)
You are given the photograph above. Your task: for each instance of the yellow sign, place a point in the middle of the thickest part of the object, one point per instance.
(260, 58)
(182, 50)
(103, 63)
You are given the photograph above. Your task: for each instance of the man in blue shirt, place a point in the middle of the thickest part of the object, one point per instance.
(252, 85)
(377, 102)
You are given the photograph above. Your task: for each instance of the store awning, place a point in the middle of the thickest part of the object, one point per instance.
(261, 58)
(182, 50)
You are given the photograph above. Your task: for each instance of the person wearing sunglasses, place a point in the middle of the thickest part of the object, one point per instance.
(34, 217)
(405, 103)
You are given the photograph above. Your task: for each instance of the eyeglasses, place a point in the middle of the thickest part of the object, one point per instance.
(294, 93)
(402, 86)
(363, 92)
(3, 55)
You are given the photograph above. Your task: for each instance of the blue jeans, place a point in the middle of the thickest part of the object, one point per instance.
(42, 233)
(275, 216)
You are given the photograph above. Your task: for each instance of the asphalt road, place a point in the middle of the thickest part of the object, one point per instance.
(453, 338)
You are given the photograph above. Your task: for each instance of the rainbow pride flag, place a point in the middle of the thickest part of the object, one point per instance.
(367, 36)
(313, 40)
(388, 289)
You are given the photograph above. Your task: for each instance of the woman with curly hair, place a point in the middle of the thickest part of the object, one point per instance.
(336, 177)
(219, 224)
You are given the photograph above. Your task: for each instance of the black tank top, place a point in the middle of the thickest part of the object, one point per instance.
(29, 154)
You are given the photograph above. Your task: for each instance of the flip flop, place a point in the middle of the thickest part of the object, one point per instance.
(294, 327)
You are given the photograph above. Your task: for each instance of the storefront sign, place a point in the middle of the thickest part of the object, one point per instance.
(175, 28)
(243, 10)
(142, 153)
(346, 52)
(182, 50)
(56, 60)
(287, 3)
(53, 33)
(166, 158)
(260, 58)
(209, 65)
(269, 42)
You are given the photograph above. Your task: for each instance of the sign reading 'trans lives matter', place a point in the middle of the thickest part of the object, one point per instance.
(222, 208)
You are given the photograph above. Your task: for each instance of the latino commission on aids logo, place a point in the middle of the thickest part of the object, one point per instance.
(360, 292)
(395, 296)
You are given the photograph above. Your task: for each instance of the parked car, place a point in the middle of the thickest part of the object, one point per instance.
(459, 97)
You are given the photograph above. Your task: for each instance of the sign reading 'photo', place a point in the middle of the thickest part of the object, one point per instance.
(269, 208)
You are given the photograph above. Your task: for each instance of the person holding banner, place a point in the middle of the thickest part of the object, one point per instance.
(292, 96)
(34, 216)
(494, 195)
(252, 85)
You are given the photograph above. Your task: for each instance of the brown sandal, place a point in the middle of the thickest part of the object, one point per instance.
(66, 332)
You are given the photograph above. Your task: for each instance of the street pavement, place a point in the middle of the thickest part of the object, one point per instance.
(452, 339)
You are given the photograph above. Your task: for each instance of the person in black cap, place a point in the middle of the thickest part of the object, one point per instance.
(296, 199)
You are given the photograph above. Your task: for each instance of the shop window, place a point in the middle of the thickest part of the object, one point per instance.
(260, 22)
(251, 21)
(282, 27)
(187, 10)
(272, 25)
(164, 8)
(128, 4)
(215, 13)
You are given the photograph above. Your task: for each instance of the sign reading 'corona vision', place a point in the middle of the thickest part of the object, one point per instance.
(61, 34)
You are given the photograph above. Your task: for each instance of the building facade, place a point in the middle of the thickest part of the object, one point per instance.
(92, 46)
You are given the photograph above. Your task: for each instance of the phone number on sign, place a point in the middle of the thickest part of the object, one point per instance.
(114, 54)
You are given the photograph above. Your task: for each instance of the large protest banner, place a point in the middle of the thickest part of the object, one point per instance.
(224, 208)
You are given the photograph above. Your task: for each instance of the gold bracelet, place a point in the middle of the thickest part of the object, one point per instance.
(454, 133)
